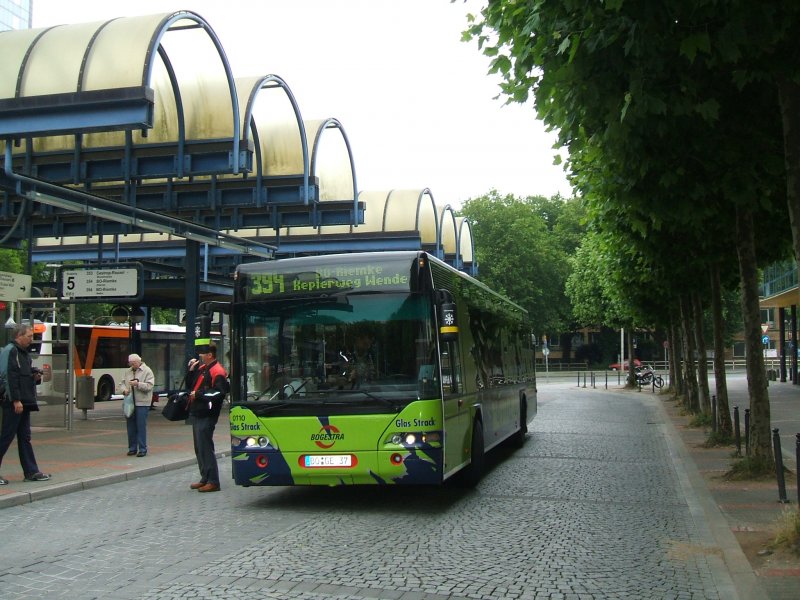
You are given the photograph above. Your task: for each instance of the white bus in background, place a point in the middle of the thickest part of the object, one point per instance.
(101, 352)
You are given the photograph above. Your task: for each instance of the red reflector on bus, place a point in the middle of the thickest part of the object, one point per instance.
(396, 458)
(262, 461)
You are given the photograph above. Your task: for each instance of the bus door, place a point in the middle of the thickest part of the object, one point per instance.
(456, 410)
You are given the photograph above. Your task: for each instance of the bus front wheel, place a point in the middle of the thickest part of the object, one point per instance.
(474, 472)
(105, 387)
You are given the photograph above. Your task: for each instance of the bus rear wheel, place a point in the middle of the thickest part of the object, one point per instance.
(105, 387)
(474, 472)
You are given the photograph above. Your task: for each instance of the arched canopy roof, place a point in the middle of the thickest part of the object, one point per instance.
(396, 219)
(164, 76)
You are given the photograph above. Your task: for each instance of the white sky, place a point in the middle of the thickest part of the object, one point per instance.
(415, 101)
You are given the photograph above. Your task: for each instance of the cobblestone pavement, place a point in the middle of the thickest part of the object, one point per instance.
(595, 505)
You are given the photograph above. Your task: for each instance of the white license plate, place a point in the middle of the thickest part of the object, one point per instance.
(314, 461)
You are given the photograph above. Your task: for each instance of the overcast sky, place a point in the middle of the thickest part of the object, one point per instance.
(415, 101)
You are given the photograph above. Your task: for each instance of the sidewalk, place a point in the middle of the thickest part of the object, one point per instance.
(94, 452)
(751, 509)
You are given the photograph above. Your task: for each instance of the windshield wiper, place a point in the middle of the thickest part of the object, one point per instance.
(391, 404)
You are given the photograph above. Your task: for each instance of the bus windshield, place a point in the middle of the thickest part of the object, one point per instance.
(357, 352)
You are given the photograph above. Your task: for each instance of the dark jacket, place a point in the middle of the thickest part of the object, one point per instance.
(210, 384)
(21, 383)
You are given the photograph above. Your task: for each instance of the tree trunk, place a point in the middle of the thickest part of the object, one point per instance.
(631, 352)
(724, 424)
(676, 381)
(760, 434)
(789, 97)
(702, 355)
(689, 372)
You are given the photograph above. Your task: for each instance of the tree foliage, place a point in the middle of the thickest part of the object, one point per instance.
(676, 116)
(522, 249)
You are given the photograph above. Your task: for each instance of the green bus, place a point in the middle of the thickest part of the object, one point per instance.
(373, 368)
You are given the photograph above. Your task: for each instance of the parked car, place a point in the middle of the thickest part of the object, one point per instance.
(615, 366)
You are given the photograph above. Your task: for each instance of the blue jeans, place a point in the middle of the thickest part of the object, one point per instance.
(137, 429)
(18, 425)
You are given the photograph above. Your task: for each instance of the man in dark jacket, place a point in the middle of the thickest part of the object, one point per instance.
(209, 384)
(20, 401)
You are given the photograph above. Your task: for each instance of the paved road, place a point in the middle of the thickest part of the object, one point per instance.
(597, 504)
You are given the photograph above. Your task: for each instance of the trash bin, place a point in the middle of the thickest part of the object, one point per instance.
(84, 394)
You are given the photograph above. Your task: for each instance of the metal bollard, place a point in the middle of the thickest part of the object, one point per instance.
(606, 379)
(584, 379)
(736, 432)
(579, 379)
(797, 462)
(713, 413)
(593, 383)
(747, 431)
(776, 448)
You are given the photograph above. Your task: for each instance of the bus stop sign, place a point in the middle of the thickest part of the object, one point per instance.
(120, 282)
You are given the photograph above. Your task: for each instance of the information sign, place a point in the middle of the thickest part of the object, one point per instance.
(108, 283)
(14, 286)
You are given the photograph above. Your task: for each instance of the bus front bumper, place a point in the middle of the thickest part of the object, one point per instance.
(404, 466)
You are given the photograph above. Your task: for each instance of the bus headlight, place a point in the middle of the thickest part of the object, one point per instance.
(256, 442)
(417, 438)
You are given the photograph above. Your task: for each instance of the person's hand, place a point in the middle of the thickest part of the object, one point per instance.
(18, 406)
(193, 363)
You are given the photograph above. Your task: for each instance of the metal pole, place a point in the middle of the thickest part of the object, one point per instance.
(776, 448)
(797, 462)
(747, 431)
(737, 433)
(71, 368)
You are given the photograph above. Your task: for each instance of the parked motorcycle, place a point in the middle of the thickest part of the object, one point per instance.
(646, 375)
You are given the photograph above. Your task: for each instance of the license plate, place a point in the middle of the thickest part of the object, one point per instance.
(316, 461)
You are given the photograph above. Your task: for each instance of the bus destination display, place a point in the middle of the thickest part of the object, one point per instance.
(329, 279)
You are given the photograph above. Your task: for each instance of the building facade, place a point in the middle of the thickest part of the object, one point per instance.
(15, 14)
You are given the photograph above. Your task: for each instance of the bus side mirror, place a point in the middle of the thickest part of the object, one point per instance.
(448, 325)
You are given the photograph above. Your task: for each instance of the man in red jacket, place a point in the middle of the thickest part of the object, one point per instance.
(209, 384)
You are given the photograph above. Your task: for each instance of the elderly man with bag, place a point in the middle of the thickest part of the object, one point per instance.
(139, 381)
(208, 382)
(20, 400)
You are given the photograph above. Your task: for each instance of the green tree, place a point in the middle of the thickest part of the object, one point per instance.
(519, 254)
(662, 135)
